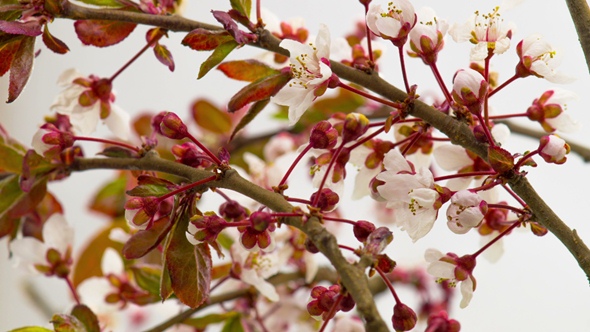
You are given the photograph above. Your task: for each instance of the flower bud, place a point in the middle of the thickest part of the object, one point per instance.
(260, 220)
(362, 229)
(49, 141)
(355, 125)
(469, 89)
(553, 149)
(327, 201)
(232, 210)
(323, 136)
(172, 126)
(404, 318)
(466, 211)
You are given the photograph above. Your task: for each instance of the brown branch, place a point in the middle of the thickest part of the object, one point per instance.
(580, 13)
(352, 276)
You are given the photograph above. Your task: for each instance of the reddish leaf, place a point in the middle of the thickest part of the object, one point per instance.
(102, 33)
(205, 40)
(8, 49)
(164, 56)
(218, 55)
(147, 277)
(86, 317)
(246, 70)
(211, 118)
(145, 240)
(54, 43)
(189, 266)
(256, 108)
(21, 68)
(232, 27)
(165, 283)
(30, 28)
(259, 90)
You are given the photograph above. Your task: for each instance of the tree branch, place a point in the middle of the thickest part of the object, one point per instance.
(352, 276)
(580, 13)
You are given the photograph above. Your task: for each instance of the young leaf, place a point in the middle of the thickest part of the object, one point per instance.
(54, 43)
(189, 266)
(242, 6)
(217, 56)
(66, 323)
(15, 203)
(146, 190)
(8, 47)
(500, 159)
(259, 90)
(102, 33)
(233, 324)
(246, 70)
(232, 27)
(164, 56)
(103, 3)
(254, 110)
(110, 199)
(145, 240)
(148, 277)
(86, 317)
(21, 68)
(30, 28)
(211, 118)
(205, 40)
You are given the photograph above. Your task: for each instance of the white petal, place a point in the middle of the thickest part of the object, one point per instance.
(29, 251)
(111, 262)
(68, 76)
(564, 123)
(432, 255)
(441, 270)
(118, 122)
(394, 161)
(85, 119)
(451, 157)
(57, 233)
(264, 287)
(467, 292)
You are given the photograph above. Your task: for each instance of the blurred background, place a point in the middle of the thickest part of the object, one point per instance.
(536, 286)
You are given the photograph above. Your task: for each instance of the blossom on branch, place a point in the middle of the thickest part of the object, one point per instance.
(455, 269)
(549, 111)
(394, 23)
(469, 89)
(553, 149)
(86, 100)
(311, 72)
(539, 58)
(427, 37)
(466, 211)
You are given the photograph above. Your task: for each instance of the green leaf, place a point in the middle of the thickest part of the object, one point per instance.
(254, 110)
(206, 40)
(209, 117)
(189, 266)
(31, 329)
(201, 323)
(247, 70)
(86, 317)
(148, 277)
(259, 90)
(234, 324)
(21, 68)
(145, 240)
(147, 190)
(103, 3)
(102, 33)
(67, 323)
(217, 56)
(11, 158)
(110, 199)
(242, 6)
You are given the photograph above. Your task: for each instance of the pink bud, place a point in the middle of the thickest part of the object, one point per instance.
(323, 136)
(553, 149)
(404, 318)
(469, 89)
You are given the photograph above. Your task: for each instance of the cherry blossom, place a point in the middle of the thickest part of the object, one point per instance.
(539, 58)
(254, 268)
(553, 149)
(487, 31)
(549, 111)
(455, 269)
(53, 255)
(394, 23)
(427, 37)
(466, 211)
(49, 140)
(311, 72)
(87, 100)
(469, 89)
(411, 194)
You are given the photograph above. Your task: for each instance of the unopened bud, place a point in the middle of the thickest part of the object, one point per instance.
(323, 136)
(172, 126)
(404, 318)
(327, 201)
(355, 125)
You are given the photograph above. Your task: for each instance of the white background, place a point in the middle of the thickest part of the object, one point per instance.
(536, 286)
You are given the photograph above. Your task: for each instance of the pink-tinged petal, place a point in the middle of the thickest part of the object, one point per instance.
(37, 142)
(264, 287)
(118, 122)
(397, 186)
(451, 157)
(432, 255)
(467, 292)
(394, 161)
(111, 262)
(67, 77)
(388, 26)
(57, 233)
(28, 251)
(440, 269)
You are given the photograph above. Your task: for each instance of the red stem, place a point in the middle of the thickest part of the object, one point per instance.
(403, 65)
(441, 83)
(332, 161)
(135, 57)
(507, 207)
(525, 158)
(202, 147)
(187, 187)
(460, 175)
(307, 148)
(341, 220)
(389, 285)
(369, 45)
(332, 312)
(370, 96)
(106, 141)
(367, 138)
(489, 244)
(513, 194)
(73, 290)
(507, 116)
(503, 85)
